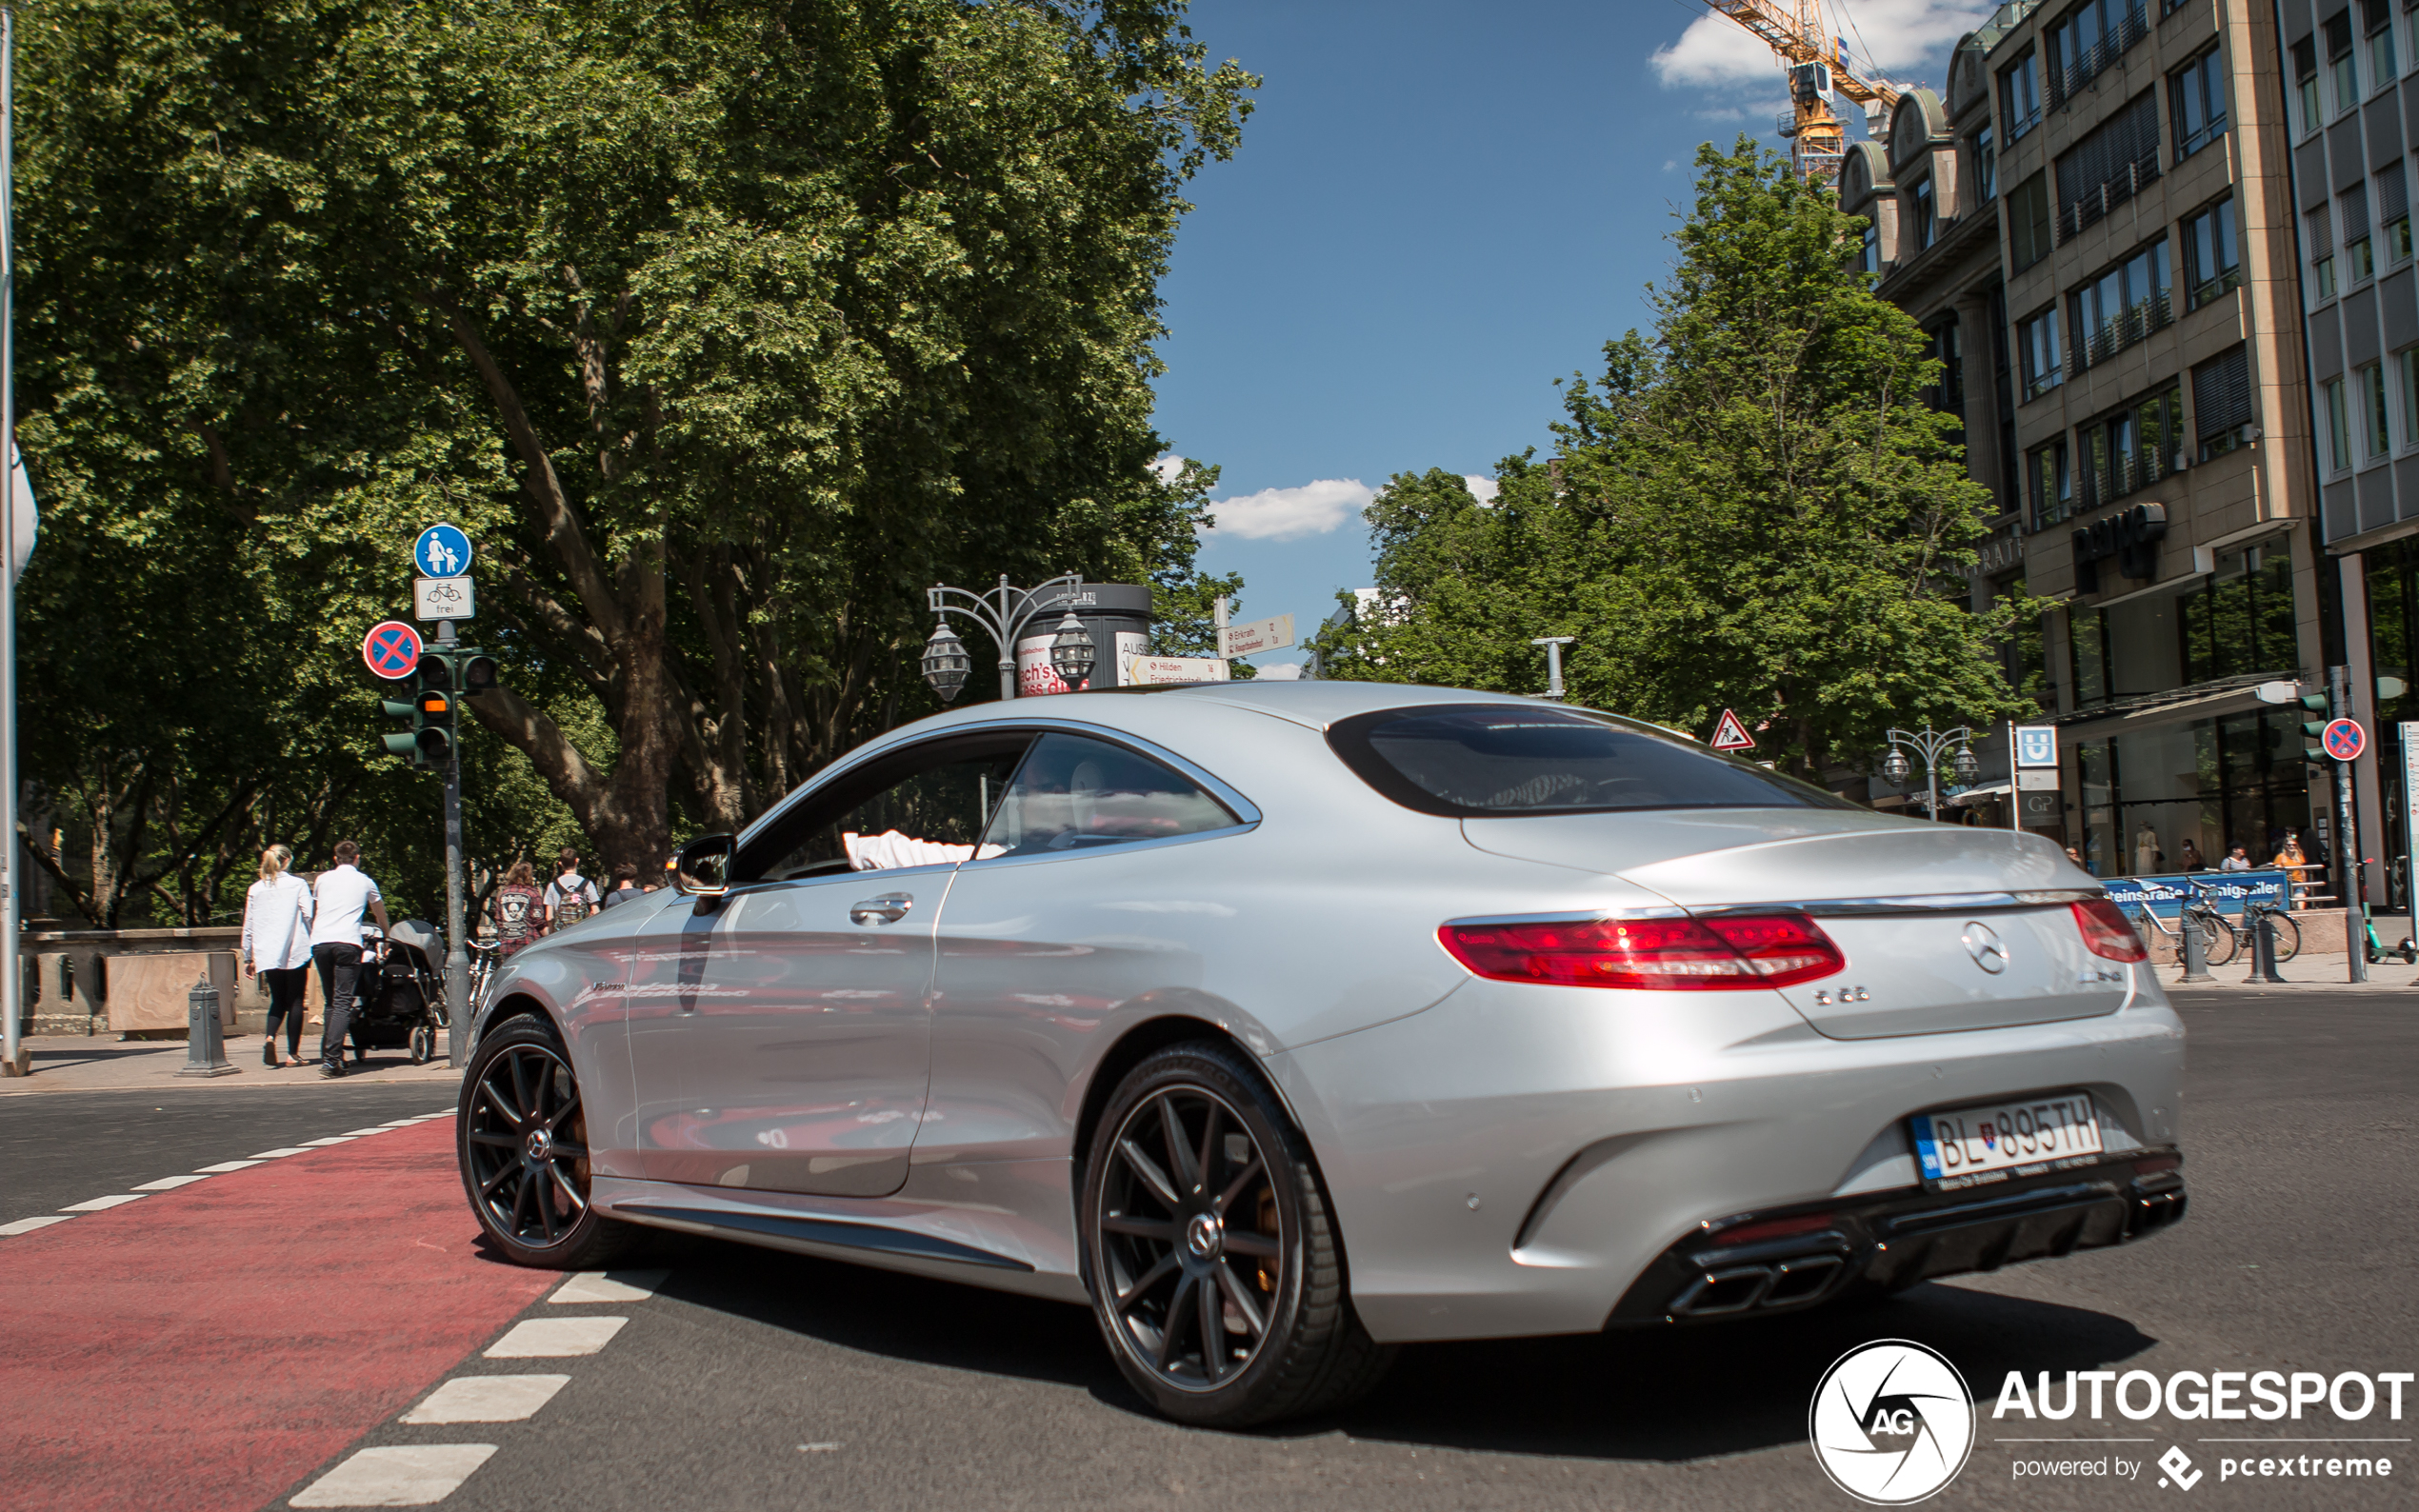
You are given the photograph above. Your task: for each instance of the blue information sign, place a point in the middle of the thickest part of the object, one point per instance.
(2166, 896)
(442, 552)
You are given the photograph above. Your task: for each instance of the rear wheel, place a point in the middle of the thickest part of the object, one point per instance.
(424, 1044)
(1216, 1271)
(2217, 939)
(521, 1131)
(2288, 936)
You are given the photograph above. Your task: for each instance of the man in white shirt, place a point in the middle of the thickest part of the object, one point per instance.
(335, 946)
(569, 897)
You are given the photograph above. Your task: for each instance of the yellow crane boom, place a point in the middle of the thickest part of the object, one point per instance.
(1818, 69)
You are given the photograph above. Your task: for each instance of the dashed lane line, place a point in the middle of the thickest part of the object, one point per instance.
(406, 1475)
(27, 1226)
(555, 1337)
(281, 1154)
(487, 1398)
(608, 1286)
(332, 1139)
(170, 1183)
(97, 1204)
(224, 1166)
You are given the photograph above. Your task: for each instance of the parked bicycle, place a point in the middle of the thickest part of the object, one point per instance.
(2222, 938)
(485, 956)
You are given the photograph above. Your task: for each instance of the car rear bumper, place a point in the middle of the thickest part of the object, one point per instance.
(1785, 1259)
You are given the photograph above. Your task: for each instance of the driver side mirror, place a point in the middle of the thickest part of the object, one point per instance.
(702, 868)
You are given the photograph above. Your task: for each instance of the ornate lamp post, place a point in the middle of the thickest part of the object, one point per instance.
(1931, 745)
(1005, 612)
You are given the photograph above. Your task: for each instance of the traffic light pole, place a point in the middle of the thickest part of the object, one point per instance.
(457, 953)
(2347, 837)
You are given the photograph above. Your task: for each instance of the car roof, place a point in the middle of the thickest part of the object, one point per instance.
(1315, 703)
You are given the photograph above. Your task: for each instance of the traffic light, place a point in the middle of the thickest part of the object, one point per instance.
(438, 685)
(2315, 703)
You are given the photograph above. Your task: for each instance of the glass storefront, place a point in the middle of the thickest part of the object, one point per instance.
(2164, 798)
(2393, 618)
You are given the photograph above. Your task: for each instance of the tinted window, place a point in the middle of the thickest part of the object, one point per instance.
(1076, 793)
(1503, 759)
(916, 807)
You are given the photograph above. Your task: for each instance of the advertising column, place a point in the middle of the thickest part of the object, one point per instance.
(1118, 617)
(2035, 761)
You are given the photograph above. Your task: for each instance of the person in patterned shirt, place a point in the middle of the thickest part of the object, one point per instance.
(518, 908)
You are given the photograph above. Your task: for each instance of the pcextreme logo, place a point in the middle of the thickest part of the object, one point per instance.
(1892, 1422)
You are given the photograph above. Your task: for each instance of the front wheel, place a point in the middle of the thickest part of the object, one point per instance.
(2218, 942)
(2288, 936)
(424, 1044)
(521, 1132)
(1215, 1271)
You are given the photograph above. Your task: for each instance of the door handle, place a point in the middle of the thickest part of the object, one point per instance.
(890, 907)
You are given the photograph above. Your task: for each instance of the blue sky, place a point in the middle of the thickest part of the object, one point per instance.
(1438, 209)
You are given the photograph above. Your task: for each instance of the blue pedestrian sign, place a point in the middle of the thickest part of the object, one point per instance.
(442, 552)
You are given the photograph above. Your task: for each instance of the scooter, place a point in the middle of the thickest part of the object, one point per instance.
(2408, 950)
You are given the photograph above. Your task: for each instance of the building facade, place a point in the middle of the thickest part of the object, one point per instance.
(2135, 392)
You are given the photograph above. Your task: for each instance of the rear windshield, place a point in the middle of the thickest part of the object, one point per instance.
(1501, 759)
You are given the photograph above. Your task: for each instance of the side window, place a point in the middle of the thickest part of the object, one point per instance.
(1075, 793)
(927, 805)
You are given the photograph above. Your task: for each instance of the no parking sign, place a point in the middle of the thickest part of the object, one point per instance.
(2344, 738)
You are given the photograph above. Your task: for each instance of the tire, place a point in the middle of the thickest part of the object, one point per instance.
(424, 1044)
(1251, 1225)
(2221, 940)
(530, 1192)
(2288, 938)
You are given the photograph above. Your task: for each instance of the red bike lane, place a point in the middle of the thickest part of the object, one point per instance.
(207, 1347)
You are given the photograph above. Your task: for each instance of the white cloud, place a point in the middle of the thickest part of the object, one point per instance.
(1168, 466)
(1281, 672)
(1905, 38)
(1482, 489)
(1288, 514)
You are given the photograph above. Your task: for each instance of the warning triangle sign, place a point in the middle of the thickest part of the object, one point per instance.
(1731, 735)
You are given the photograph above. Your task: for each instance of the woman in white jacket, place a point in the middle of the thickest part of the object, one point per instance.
(277, 945)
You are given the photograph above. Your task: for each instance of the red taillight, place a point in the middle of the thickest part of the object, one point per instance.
(1750, 950)
(2107, 933)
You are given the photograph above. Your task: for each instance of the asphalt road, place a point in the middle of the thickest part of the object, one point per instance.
(757, 1379)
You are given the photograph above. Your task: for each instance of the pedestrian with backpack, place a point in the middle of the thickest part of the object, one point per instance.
(570, 897)
(518, 908)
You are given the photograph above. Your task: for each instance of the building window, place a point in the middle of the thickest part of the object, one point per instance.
(1949, 349)
(2374, 411)
(2122, 305)
(1985, 167)
(1869, 249)
(2305, 83)
(2222, 403)
(2090, 37)
(2028, 239)
(2338, 426)
(2241, 620)
(2133, 448)
(2377, 19)
(2411, 397)
(2360, 259)
(2196, 96)
(2394, 211)
(2318, 229)
(2037, 339)
(2342, 65)
(2020, 95)
(2110, 167)
(2212, 255)
(2088, 655)
(2050, 484)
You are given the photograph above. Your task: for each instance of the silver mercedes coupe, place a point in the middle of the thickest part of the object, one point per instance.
(1282, 1023)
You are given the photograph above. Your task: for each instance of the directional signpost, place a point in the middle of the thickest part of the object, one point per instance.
(1274, 634)
(1731, 735)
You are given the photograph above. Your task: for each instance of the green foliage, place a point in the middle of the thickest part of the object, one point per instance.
(1757, 509)
(723, 328)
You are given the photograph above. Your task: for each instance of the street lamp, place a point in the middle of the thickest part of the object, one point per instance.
(1931, 745)
(1005, 612)
(1553, 644)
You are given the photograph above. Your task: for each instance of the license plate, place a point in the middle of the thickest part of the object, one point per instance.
(1999, 1142)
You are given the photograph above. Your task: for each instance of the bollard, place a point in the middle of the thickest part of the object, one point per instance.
(2264, 949)
(2196, 953)
(204, 1053)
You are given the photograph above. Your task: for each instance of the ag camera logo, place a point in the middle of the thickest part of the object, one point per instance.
(1892, 1422)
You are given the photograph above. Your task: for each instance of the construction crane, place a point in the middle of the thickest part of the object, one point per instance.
(1818, 69)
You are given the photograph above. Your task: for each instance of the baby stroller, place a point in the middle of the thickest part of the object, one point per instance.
(400, 998)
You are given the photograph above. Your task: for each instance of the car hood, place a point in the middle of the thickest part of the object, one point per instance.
(1724, 856)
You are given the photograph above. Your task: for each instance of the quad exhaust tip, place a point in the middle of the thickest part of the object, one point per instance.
(1750, 1288)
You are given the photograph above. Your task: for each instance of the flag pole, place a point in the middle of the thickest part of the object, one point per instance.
(15, 1059)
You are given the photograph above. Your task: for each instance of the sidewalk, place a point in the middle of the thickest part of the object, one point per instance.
(77, 1063)
(2304, 973)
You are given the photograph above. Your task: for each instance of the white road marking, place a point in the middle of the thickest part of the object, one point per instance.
(817, 1449)
(488, 1399)
(101, 1203)
(408, 1475)
(402, 1122)
(356, 1133)
(27, 1226)
(332, 1139)
(555, 1337)
(170, 1183)
(229, 1165)
(610, 1286)
(281, 1154)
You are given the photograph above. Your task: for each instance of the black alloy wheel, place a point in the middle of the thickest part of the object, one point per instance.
(1215, 1271)
(522, 1134)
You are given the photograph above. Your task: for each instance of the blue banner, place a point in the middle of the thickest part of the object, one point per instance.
(2166, 896)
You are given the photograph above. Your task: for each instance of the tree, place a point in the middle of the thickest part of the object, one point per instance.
(724, 328)
(1757, 509)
